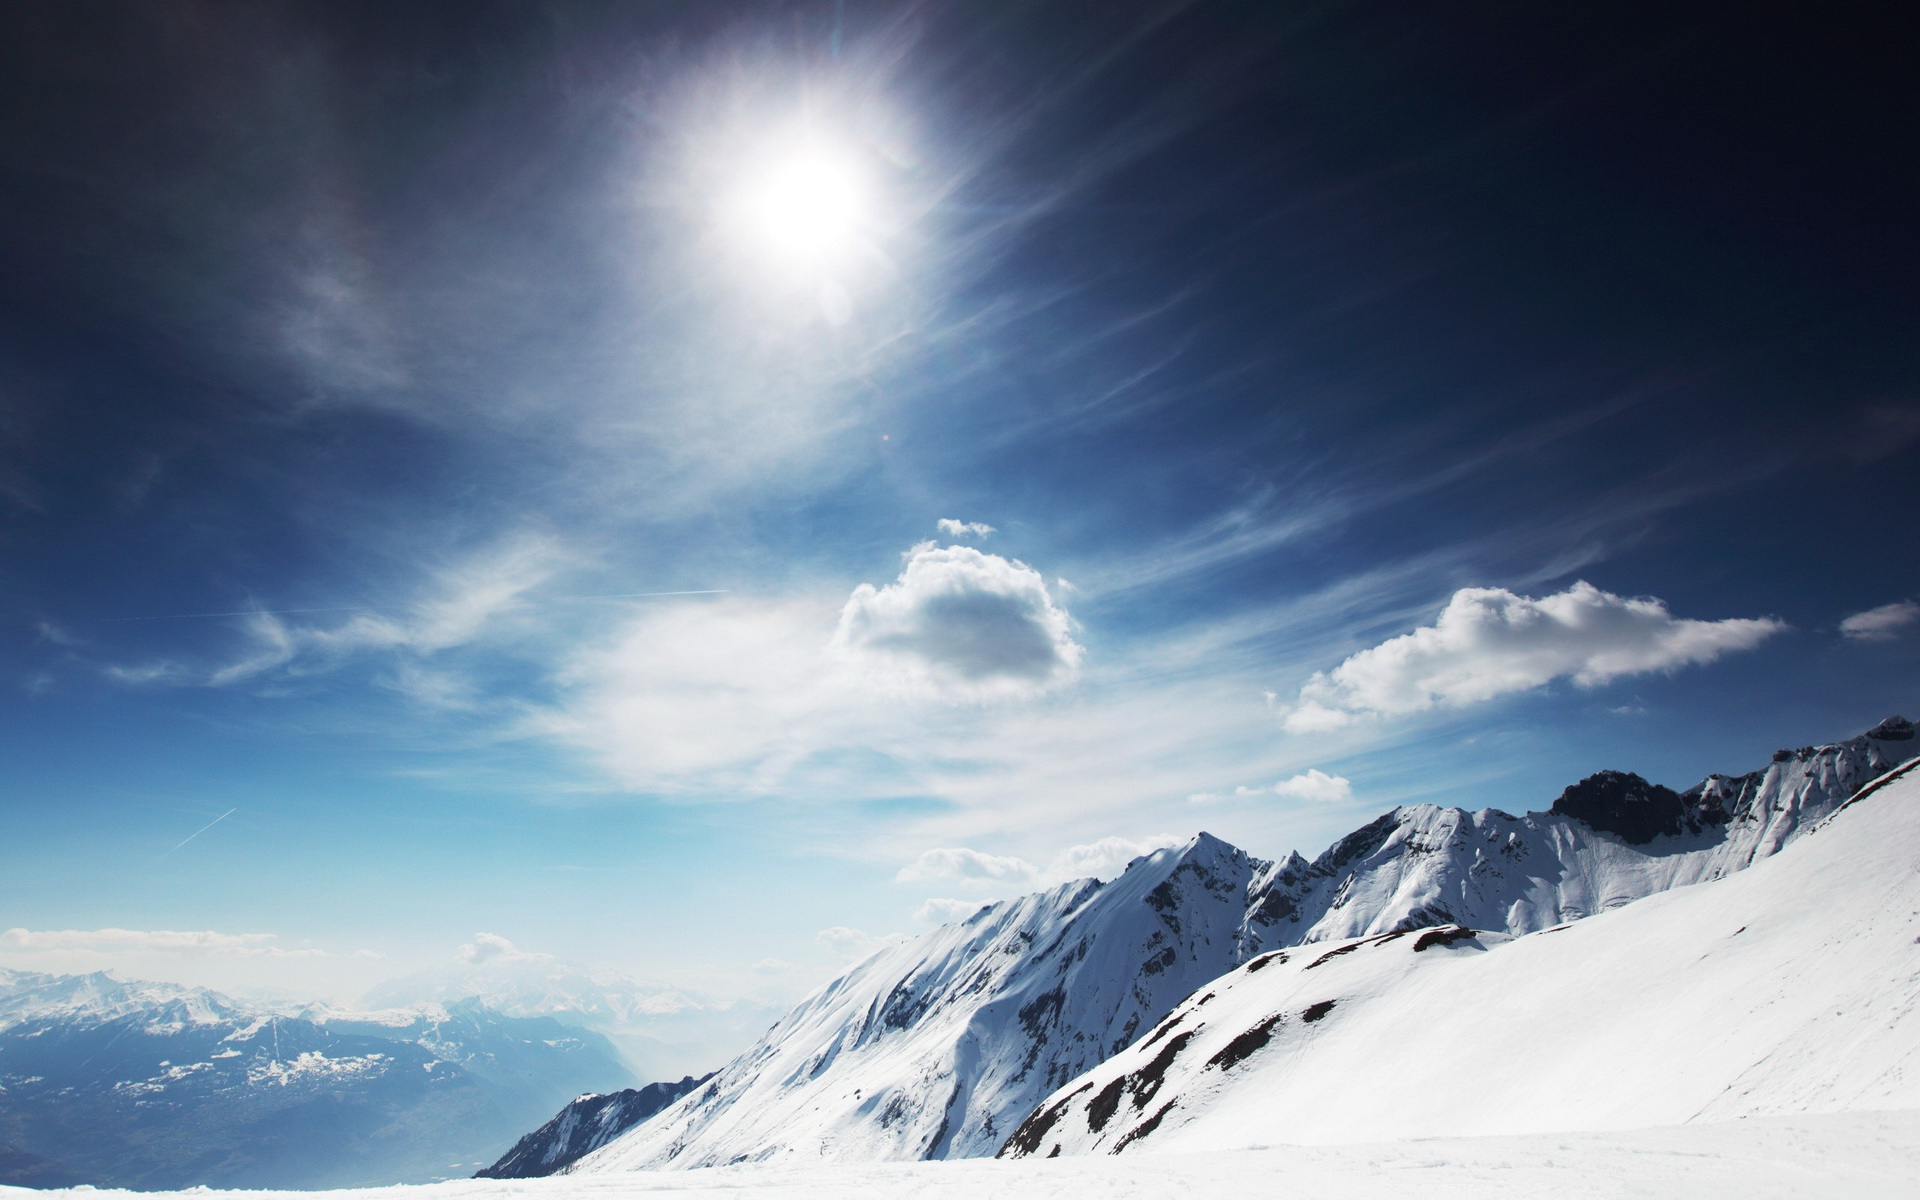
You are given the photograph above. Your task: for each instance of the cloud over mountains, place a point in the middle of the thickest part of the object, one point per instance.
(961, 623)
(1490, 642)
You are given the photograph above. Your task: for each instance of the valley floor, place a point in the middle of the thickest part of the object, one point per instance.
(1852, 1155)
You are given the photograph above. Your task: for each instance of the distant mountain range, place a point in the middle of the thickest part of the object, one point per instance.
(941, 1047)
(662, 1031)
(151, 1085)
(1790, 988)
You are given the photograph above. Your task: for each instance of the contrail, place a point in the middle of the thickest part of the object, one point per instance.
(209, 825)
(288, 612)
(251, 612)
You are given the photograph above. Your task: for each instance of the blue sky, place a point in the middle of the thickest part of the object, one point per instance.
(1056, 430)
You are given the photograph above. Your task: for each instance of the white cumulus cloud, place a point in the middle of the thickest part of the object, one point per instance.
(1105, 858)
(1489, 642)
(1315, 785)
(1881, 624)
(970, 868)
(962, 624)
(953, 528)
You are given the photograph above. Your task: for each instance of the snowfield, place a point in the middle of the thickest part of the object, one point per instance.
(1855, 1156)
(940, 1047)
(1787, 988)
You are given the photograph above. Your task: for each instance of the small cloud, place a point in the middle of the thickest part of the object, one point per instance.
(1315, 785)
(195, 943)
(970, 868)
(1629, 710)
(368, 954)
(953, 528)
(962, 624)
(491, 947)
(851, 945)
(1881, 624)
(772, 966)
(1105, 858)
(940, 910)
(1489, 642)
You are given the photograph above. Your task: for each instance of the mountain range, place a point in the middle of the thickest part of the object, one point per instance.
(1783, 989)
(153, 1085)
(942, 1046)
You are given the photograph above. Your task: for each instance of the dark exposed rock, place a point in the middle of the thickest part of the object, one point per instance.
(1445, 936)
(1314, 1012)
(584, 1126)
(1621, 802)
(1244, 1045)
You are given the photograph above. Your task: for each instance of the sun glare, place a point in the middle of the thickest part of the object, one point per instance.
(808, 210)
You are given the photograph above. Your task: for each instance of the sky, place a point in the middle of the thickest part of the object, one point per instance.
(701, 489)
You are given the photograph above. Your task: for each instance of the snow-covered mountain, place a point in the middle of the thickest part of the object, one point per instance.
(154, 1085)
(1789, 988)
(940, 1046)
(583, 1127)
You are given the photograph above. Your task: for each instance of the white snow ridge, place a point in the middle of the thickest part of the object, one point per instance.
(940, 1047)
(1789, 988)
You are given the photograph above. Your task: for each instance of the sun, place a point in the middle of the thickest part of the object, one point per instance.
(807, 209)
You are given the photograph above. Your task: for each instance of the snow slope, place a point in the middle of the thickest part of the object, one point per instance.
(939, 1047)
(1856, 1156)
(1791, 987)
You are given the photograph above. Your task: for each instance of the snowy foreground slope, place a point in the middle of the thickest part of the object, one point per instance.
(940, 1047)
(1854, 1156)
(1791, 987)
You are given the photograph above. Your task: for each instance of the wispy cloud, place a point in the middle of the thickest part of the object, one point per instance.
(190, 943)
(1882, 624)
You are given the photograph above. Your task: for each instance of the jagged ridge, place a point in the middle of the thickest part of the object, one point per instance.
(939, 1047)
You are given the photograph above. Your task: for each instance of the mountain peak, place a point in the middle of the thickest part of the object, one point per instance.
(1895, 728)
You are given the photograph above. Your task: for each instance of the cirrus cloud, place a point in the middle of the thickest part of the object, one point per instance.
(185, 942)
(961, 624)
(1489, 642)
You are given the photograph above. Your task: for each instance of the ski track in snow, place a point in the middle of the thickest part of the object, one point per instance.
(1859, 1156)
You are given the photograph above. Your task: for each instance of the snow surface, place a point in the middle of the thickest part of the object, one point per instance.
(1856, 1156)
(940, 1047)
(1791, 987)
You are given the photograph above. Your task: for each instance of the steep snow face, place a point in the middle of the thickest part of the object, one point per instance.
(583, 1127)
(1788, 988)
(939, 1047)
